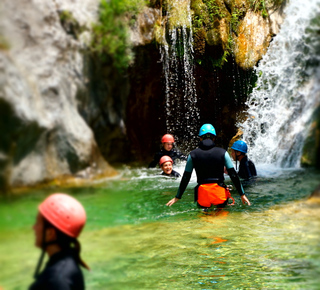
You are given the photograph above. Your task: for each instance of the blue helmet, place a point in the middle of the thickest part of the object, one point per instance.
(207, 129)
(240, 146)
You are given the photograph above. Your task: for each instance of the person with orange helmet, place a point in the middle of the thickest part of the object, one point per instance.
(59, 221)
(167, 149)
(165, 164)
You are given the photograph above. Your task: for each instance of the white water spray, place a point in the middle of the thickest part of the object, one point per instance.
(182, 113)
(288, 89)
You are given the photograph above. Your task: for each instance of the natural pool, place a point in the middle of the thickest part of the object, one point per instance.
(133, 241)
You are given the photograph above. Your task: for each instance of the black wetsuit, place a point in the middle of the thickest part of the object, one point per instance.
(172, 174)
(173, 153)
(61, 273)
(247, 170)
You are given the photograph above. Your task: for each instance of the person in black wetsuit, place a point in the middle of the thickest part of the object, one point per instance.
(58, 224)
(209, 162)
(165, 164)
(247, 169)
(168, 149)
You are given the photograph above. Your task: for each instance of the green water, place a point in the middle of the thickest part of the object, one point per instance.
(133, 241)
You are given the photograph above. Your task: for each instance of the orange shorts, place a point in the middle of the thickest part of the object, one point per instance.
(212, 194)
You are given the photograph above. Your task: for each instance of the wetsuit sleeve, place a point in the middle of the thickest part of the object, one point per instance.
(155, 160)
(227, 161)
(185, 178)
(236, 180)
(233, 174)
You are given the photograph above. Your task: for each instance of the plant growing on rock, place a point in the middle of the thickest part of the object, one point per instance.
(110, 38)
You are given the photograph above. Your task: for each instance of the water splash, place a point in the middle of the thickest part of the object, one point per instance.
(288, 89)
(182, 112)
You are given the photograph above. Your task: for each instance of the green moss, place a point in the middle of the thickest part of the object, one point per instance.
(4, 45)
(111, 34)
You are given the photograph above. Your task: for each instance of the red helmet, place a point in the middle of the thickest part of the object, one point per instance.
(167, 138)
(65, 213)
(164, 159)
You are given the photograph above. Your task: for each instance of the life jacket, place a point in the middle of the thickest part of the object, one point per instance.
(212, 194)
(208, 162)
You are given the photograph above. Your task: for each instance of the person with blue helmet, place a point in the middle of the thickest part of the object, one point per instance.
(209, 162)
(247, 169)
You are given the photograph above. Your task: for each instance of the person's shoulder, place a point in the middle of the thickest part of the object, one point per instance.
(175, 173)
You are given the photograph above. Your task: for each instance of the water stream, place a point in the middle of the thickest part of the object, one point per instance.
(177, 58)
(288, 89)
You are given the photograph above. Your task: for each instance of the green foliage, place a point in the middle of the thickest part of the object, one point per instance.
(111, 34)
(259, 5)
(214, 10)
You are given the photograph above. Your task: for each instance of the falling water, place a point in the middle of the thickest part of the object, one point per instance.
(288, 89)
(177, 57)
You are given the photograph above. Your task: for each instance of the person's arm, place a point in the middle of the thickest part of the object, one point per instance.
(184, 181)
(235, 178)
(155, 160)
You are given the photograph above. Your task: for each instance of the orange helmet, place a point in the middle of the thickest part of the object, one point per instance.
(65, 213)
(164, 159)
(167, 138)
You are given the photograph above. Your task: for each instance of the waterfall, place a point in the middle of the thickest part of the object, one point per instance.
(182, 113)
(280, 107)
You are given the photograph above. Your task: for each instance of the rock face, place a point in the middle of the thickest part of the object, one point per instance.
(41, 73)
(252, 40)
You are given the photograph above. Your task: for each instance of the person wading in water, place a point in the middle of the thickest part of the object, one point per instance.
(209, 162)
(247, 169)
(167, 149)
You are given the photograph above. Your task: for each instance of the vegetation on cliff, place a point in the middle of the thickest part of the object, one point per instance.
(110, 39)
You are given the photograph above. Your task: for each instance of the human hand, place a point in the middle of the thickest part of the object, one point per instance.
(172, 201)
(245, 200)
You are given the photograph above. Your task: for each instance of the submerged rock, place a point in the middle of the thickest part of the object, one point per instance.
(315, 193)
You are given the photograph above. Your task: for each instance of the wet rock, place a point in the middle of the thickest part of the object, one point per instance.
(316, 193)
(252, 39)
(142, 32)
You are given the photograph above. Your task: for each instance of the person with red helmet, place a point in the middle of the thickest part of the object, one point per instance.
(59, 221)
(167, 149)
(165, 164)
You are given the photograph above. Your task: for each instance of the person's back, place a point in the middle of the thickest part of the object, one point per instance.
(209, 162)
(247, 169)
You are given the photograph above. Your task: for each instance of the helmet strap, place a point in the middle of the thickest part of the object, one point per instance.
(44, 245)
